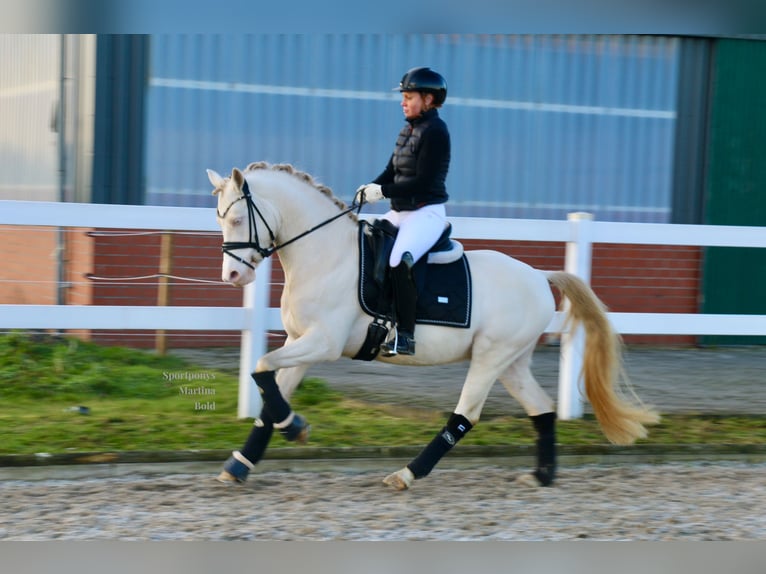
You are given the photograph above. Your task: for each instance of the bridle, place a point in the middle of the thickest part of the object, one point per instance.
(252, 231)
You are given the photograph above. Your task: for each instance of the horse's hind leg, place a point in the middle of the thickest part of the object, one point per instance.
(242, 461)
(481, 376)
(456, 428)
(522, 386)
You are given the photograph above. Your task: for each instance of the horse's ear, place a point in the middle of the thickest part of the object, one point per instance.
(216, 180)
(238, 177)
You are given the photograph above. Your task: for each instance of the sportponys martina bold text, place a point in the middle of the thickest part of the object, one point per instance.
(202, 395)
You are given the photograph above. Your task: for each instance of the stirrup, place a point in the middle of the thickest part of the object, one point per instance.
(403, 344)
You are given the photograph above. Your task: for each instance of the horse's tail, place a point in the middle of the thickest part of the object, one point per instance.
(621, 420)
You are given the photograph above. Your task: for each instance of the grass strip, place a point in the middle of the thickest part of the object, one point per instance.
(137, 401)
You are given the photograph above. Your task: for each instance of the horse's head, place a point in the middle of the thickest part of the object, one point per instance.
(247, 237)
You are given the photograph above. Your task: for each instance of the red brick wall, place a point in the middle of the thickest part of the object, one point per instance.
(193, 255)
(628, 278)
(648, 279)
(196, 256)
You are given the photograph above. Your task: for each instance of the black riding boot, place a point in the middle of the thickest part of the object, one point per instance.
(405, 301)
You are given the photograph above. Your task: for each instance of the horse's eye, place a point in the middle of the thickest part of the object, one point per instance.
(236, 221)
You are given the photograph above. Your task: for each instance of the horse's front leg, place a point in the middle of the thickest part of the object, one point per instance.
(242, 461)
(314, 346)
(290, 363)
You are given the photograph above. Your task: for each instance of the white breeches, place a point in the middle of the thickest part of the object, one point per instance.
(418, 230)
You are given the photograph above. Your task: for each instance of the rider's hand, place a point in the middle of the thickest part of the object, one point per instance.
(368, 193)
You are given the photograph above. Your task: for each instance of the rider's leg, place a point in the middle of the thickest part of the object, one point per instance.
(418, 231)
(405, 304)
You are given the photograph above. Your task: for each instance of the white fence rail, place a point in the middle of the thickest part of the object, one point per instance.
(255, 317)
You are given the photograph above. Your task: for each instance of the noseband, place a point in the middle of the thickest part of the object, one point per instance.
(252, 230)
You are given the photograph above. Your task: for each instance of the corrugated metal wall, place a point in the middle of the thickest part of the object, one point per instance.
(30, 70)
(541, 125)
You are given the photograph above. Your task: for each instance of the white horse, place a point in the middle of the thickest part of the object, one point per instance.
(268, 208)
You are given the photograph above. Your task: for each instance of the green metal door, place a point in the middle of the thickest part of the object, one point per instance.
(734, 279)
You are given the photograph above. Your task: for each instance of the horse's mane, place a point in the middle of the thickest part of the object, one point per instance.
(303, 176)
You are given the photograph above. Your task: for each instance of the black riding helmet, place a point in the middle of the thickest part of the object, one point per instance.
(424, 80)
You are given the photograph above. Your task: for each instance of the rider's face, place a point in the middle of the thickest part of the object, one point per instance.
(414, 104)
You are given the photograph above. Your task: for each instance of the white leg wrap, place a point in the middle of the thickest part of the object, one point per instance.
(285, 423)
(241, 458)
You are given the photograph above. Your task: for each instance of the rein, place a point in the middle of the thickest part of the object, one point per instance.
(254, 242)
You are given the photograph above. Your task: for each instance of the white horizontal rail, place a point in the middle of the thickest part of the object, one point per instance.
(678, 234)
(511, 229)
(132, 317)
(688, 324)
(54, 214)
(609, 232)
(147, 317)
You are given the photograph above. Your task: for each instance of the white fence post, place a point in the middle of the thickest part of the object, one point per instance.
(578, 261)
(256, 303)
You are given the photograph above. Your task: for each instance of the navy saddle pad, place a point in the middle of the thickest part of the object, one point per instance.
(444, 289)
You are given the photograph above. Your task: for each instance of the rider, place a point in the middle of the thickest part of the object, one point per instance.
(414, 181)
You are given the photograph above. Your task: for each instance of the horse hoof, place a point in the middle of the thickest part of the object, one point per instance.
(400, 480)
(528, 480)
(303, 436)
(235, 469)
(227, 478)
(297, 431)
(544, 476)
(534, 479)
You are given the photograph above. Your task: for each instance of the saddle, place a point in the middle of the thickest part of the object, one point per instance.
(442, 277)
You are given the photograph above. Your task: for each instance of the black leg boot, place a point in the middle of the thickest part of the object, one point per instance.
(405, 304)
(241, 462)
(545, 425)
(292, 426)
